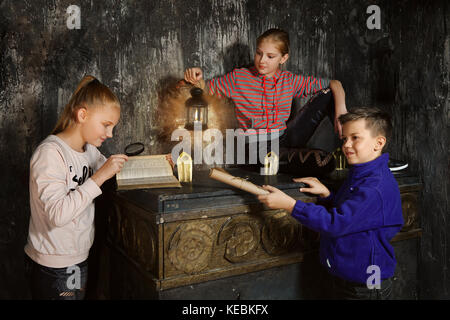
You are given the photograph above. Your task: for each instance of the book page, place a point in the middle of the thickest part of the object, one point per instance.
(138, 167)
(149, 180)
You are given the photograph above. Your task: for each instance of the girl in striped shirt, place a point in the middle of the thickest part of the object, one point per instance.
(263, 93)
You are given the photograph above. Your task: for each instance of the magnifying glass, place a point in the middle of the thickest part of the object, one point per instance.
(134, 149)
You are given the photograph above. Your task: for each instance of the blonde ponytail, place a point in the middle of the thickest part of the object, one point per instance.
(89, 93)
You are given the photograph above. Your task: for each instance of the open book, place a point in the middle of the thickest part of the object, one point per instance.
(141, 172)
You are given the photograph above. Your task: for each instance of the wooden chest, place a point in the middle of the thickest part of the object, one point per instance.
(196, 241)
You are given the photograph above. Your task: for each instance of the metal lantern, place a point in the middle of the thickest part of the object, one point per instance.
(197, 110)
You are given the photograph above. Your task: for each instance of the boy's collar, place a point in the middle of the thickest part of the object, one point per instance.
(361, 169)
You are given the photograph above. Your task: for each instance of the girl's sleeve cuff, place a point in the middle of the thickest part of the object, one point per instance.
(92, 188)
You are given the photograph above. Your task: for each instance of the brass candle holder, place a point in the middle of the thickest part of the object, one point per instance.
(341, 161)
(271, 164)
(184, 166)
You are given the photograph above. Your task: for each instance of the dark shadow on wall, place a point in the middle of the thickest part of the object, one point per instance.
(14, 212)
(237, 55)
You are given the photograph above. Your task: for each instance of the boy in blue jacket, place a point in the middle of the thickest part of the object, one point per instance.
(357, 223)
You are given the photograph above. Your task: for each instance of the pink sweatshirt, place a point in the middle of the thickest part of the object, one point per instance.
(61, 230)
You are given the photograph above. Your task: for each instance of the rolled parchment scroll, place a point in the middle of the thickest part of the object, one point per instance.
(223, 176)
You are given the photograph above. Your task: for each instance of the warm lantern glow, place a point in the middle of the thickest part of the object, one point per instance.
(197, 110)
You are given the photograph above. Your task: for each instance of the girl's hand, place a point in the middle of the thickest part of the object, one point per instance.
(193, 75)
(339, 110)
(112, 166)
(315, 186)
(277, 199)
(339, 102)
(169, 158)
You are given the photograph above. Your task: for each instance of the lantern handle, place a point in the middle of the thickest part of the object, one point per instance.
(196, 92)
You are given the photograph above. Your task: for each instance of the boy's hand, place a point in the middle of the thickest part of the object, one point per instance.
(277, 199)
(112, 166)
(315, 186)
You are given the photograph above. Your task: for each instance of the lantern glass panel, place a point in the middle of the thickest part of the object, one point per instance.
(197, 110)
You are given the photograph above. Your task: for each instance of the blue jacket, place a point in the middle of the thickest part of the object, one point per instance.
(357, 223)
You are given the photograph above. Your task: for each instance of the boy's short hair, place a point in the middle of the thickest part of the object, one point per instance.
(377, 121)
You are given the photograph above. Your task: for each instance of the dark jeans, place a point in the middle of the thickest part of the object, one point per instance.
(302, 126)
(346, 290)
(67, 283)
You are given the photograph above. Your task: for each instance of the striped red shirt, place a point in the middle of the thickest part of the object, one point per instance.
(261, 102)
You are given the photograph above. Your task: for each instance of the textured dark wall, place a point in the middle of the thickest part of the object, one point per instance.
(138, 47)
